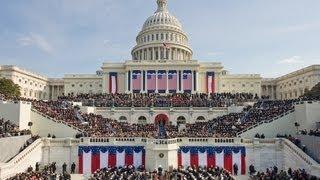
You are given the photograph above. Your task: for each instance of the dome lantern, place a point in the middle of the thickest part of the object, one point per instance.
(162, 5)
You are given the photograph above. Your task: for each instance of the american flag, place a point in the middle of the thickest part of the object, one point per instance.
(162, 80)
(211, 82)
(136, 80)
(172, 80)
(151, 81)
(167, 46)
(187, 81)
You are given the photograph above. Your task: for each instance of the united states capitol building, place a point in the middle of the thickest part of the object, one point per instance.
(162, 62)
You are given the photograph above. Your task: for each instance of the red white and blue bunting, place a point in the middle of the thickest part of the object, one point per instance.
(92, 158)
(221, 156)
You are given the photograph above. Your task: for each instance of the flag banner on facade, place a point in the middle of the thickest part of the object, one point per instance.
(173, 81)
(162, 81)
(151, 81)
(221, 156)
(136, 81)
(92, 158)
(187, 81)
(113, 82)
(210, 82)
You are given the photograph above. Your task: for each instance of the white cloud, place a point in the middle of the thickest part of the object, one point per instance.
(36, 40)
(292, 60)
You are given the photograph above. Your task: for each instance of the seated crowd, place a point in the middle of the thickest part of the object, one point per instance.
(158, 100)
(47, 172)
(290, 174)
(190, 173)
(224, 126)
(8, 129)
(315, 132)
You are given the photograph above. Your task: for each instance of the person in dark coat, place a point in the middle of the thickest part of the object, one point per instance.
(251, 169)
(235, 169)
(37, 166)
(64, 167)
(73, 168)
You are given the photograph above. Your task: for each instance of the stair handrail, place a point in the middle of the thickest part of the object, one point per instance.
(18, 158)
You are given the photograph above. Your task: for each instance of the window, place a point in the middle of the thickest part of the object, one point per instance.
(100, 85)
(122, 118)
(201, 118)
(157, 37)
(72, 85)
(80, 85)
(162, 36)
(152, 37)
(243, 85)
(181, 120)
(142, 120)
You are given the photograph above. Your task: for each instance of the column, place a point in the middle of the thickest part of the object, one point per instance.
(146, 81)
(192, 81)
(167, 90)
(126, 81)
(177, 89)
(141, 81)
(181, 75)
(156, 81)
(165, 53)
(152, 49)
(159, 53)
(197, 81)
(131, 89)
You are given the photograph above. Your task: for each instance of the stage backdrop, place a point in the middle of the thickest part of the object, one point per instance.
(221, 156)
(92, 158)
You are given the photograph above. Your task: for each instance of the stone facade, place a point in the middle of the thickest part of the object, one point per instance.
(292, 85)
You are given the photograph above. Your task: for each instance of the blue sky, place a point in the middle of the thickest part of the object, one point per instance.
(55, 37)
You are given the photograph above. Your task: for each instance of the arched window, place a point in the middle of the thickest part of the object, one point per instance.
(181, 120)
(142, 120)
(201, 118)
(122, 118)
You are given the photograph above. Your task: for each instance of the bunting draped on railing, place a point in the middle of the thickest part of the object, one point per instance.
(221, 156)
(92, 158)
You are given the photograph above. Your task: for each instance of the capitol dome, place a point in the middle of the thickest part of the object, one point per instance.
(162, 38)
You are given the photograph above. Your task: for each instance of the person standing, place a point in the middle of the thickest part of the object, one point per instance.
(73, 168)
(64, 167)
(235, 169)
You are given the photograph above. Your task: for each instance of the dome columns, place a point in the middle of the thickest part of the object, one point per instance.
(161, 53)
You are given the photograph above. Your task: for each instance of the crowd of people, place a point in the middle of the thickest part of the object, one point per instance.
(311, 132)
(290, 174)
(190, 173)
(8, 129)
(159, 100)
(224, 126)
(47, 172)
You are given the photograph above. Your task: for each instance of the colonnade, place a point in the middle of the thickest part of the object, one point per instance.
(161, 53)
(144, 82)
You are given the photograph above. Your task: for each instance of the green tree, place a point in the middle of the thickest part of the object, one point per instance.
(9, 88)
(314, 92)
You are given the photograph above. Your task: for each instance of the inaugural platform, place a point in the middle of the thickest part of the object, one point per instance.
(161, 115)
